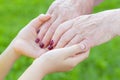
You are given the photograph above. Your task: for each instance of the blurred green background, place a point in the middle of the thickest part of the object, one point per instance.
(102, 64)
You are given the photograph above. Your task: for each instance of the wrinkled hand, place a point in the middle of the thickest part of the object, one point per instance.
(61, 11)
(24, 43)
(95, 29)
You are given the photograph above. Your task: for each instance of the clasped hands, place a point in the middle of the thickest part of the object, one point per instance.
(60, 39)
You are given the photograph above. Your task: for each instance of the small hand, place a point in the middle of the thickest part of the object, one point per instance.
(24, 43)
(64, 59)
(58, 60)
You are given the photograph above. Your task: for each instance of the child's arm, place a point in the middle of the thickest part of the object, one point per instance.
(58, 60)
(7, 59)
(22, 45)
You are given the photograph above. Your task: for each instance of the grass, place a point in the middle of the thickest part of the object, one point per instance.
(102, 64)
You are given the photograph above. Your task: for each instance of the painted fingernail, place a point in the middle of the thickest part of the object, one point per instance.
(38, 31)
(51, 42)
(50, 47)
(37, 40)
(41, 45)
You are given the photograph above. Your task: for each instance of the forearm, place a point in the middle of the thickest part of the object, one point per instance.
(7, 59)
(83, 6)
(115, 20)
(34, 72)
(110, 18)
(94, 2)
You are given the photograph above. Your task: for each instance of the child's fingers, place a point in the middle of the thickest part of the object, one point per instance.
(38, 21)
(71, 51)
(78, 58)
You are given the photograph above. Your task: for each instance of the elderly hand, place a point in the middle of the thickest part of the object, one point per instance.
(61, 11)
(96, 29)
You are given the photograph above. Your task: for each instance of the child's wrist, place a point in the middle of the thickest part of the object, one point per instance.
(10, 53)
(39, 69)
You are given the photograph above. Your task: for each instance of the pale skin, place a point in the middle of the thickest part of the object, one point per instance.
(14, 51)
(58, 60)
(61, 11)
(95, 29)
(26, 38)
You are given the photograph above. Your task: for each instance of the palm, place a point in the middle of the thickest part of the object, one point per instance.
(25, 44)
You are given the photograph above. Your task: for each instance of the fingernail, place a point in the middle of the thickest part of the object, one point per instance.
(37, 40)
(50, 47)
(82, 46)
(41, 45)
(51, 42)
(38, 31)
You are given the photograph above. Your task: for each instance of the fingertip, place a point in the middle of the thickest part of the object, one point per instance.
(44, 17)
(50, 47)
(84, 46)
(41, 45)
(48, 15)
(37, 40)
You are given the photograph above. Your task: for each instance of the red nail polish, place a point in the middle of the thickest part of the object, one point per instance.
(37, 40)
(38, 31)
(51, 42)
(41, 45)
(50, 47)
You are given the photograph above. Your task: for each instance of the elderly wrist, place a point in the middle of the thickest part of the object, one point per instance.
(115, 22)
(84, 6)
(111, 21)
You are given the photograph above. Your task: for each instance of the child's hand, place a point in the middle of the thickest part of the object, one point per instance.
(24, 43)
(58, 60)
(63, 59)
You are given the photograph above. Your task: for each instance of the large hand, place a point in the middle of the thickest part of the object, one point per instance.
(61, 11)
(96, 29)
(24, 43)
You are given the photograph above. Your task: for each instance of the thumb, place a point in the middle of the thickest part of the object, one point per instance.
(79, 48)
